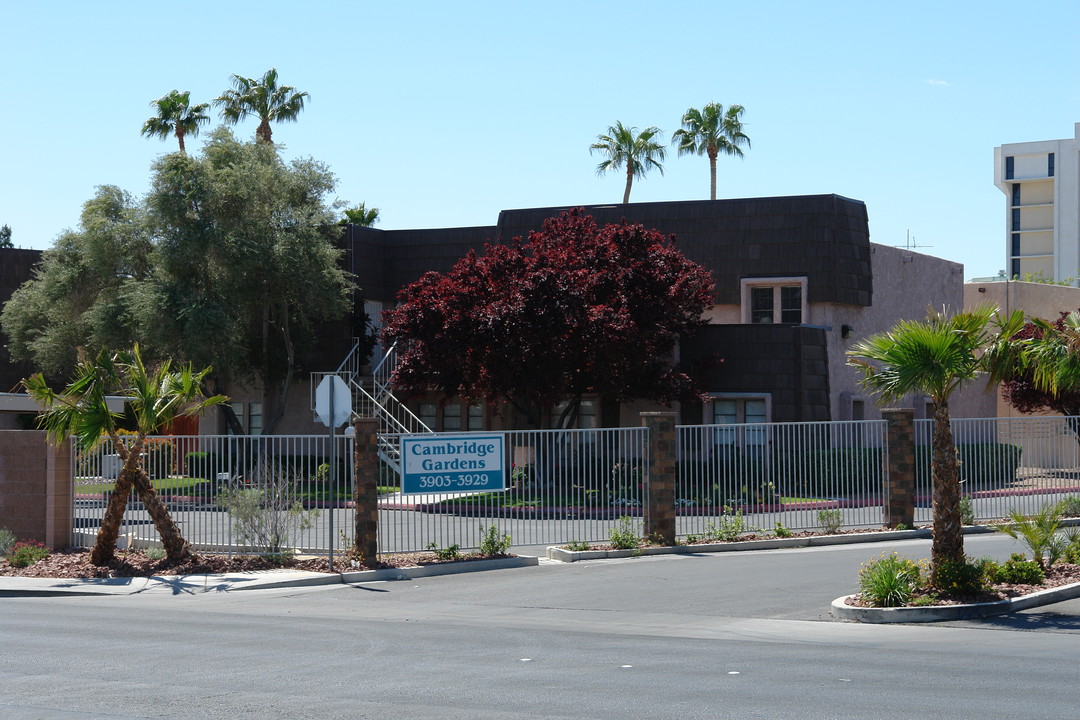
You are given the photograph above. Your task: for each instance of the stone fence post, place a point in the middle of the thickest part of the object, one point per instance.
(366, 489)
(899, 487)
(659, 510)
(35, 487)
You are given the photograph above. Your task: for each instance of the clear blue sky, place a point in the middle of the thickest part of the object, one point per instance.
(442, 114)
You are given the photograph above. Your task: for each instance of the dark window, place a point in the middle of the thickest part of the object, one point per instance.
(791, 304)
(1050, 165)
(1016, 243)
(1016, 193)
(1009, 168)
(761, 305)
(1016, 219)
(1015, 269)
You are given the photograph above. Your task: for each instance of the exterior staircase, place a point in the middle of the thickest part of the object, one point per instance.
(373, 397)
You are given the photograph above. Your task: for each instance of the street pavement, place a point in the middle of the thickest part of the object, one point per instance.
(739, 635)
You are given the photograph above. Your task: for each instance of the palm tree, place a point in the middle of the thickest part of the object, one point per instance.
(176, 117)
(262, 98)
(155, 396)
(711, 131)
(935, 357)
(625, 147)
(361, 215)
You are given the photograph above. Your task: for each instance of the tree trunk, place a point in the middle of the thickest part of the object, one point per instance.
(948, 532)
(262, 133)
(176, 547)
(180, 138)
(629, 181)
(105, 545)
(712, 175)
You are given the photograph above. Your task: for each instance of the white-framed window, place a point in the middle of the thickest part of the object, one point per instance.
(587, 418)
(739, 410)
(255, 418)
(476, 417)
(774, 300)
(427, 414)
(451, 417)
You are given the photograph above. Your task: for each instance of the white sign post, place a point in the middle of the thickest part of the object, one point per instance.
(333, 407)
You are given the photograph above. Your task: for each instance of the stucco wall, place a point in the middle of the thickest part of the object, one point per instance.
(35, 487)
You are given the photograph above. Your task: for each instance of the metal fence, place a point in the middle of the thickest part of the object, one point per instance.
(800, 475)
(227, 493)
(1006, 464)
(562, 486)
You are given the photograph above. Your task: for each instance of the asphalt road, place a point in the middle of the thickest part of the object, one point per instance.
(732, 635)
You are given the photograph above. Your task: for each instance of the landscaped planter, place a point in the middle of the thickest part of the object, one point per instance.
(938, 613)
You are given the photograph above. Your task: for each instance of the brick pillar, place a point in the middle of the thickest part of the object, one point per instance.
(58, 494)
(660, 502)
(365, 489)
(900, 467)
(35, 487)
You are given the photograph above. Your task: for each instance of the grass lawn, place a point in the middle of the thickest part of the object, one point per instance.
(175, 485)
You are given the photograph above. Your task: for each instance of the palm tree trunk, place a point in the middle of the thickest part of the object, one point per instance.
(712, 176)
(629, 182)
(948, 532)
(176, 547)
(262, 133)
(180, 138)
(105, 544)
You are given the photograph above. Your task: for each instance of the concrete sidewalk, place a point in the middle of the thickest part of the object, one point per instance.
(259, 580)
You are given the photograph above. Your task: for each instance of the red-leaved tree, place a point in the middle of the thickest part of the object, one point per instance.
(574, 309)
(1021, 390)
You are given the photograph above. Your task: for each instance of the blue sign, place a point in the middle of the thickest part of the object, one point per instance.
(452, 463)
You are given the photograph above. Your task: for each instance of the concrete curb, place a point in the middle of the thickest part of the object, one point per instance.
(263, 580)
(563, 555)
(938, 613)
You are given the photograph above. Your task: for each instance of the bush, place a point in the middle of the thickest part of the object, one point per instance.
(7, 540)
(492, 543)
(727, 528)
(967, 511)
(622, 536)
(27, 552)
(1039, 533)
(1016, 570)
(1070, 506)
(268, 514)
(960, 578)
(981, 464)
(447, 554)
(889, 581)
(830, 520)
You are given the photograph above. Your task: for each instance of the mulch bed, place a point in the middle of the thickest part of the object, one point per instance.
(1057, 575)
(71, 563)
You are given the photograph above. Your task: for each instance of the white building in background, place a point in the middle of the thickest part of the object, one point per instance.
(1041, 182)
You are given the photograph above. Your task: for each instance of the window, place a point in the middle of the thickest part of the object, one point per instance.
(1016, 193)
(1010, 165)
(774, 300)
(255, 418)
(476, 417)
(451, 417)
(738, 410)
(427, 415)
(586, 415)
(1050, 165)
(1016, 218)
(1016, 243)
(238, 410)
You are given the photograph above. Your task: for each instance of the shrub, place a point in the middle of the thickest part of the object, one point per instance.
(577, 546)
(195, 463)
(728, 527)
(447, 554)
(268, 514)
(981, 464)
(967, 511)
(155, 553)
(781, 531)
(959, 578)
(623, 536)
(830, 520)
(889, 581)
(1070, 506)
(1039, 533)
(27, 552)
(7, 539)
(1016, 570)
(492, 543)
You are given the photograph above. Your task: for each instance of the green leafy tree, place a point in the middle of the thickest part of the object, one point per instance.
(712, 131)
(5, 237)
(627, 148)
(176, 116)
(229, 262)
(361, 215)
(89, 290)
(156, 396)
(262, 98)
(935, 357)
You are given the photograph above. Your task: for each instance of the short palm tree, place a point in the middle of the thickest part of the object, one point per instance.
(264, 99)
(625, 147)
(176, 116)
(156, 396)
(935, 357)
(361, 215)
(711, 131)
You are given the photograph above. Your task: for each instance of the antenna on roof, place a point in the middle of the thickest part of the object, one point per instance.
(910, 243)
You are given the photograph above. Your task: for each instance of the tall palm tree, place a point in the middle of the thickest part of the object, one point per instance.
(935, 357)
(262, 98)
(361, 215)
(175, 116)
(156, 396)
(711, 131)
(625, 147)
